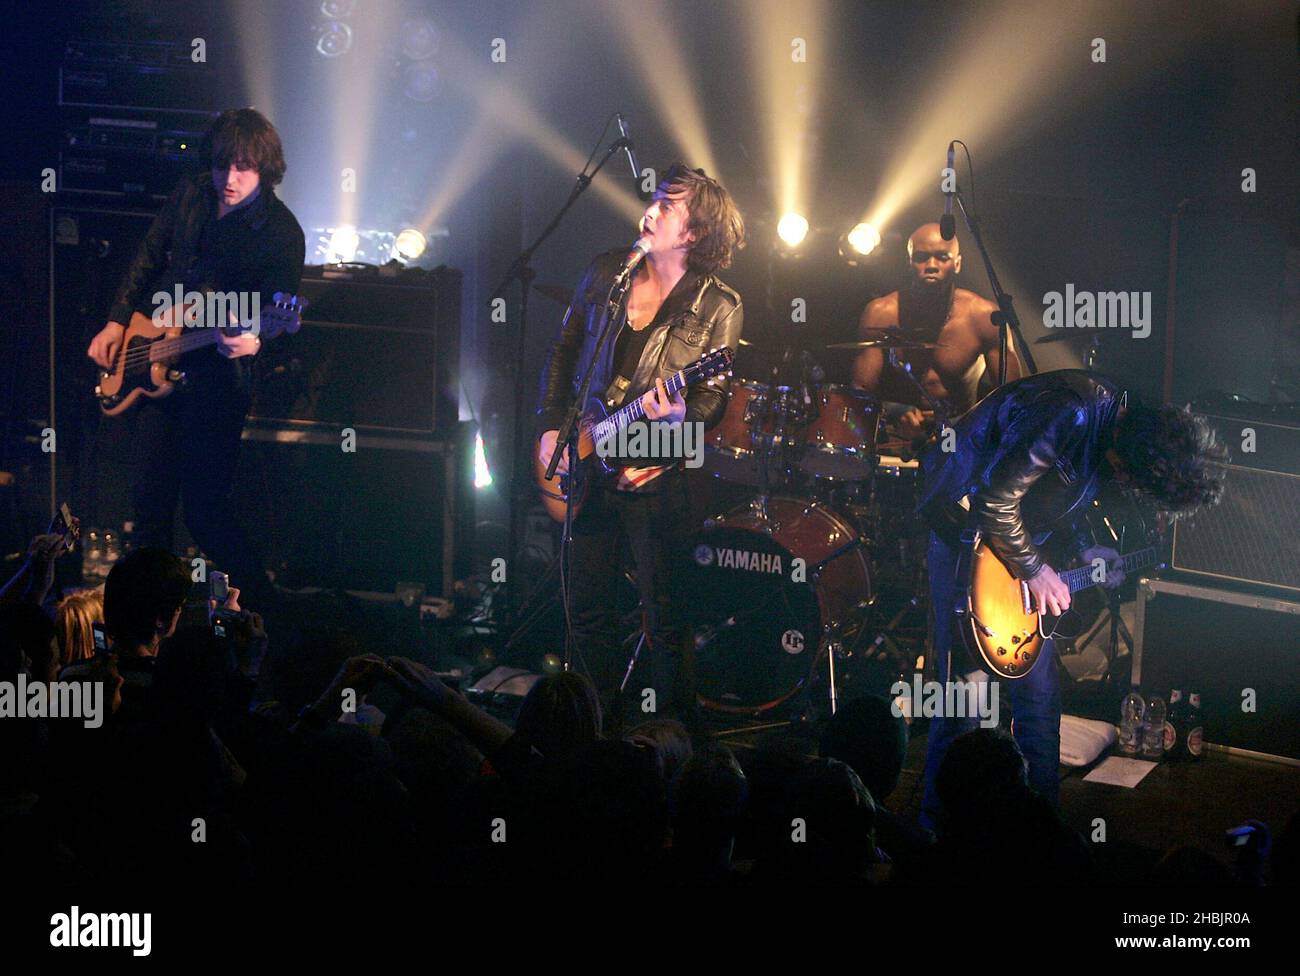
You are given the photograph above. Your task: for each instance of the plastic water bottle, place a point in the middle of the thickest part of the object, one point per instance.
(1131, 710)
(112, 550)
(1153, 730)
(93, 554)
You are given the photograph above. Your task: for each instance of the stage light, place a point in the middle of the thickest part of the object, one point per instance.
(864, 238)
(420, 81)
(335, 39)
(419, 38)
(343, 244)
(858, 243)
(792, 228)
(482, 476)
(409, 245)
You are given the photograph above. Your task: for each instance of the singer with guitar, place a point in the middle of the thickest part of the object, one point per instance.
(677, 311)
(1025, 463)
(222, 230)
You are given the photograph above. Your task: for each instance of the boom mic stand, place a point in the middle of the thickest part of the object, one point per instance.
(1005, 318)
(568, 435)
(520, 270)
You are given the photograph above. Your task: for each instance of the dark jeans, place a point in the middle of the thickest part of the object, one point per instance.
(656, 525)
(1035, 699)
(190, 445)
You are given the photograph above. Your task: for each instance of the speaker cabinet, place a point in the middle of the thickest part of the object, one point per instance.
(387, 509)
(91, 249)
(1237, 649)
(1253, 534)
(377, 354)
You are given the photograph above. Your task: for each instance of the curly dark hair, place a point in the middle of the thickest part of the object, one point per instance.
(1171, 455)
(714, 218)
(245, 137)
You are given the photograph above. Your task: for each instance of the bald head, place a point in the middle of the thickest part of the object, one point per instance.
(927, 237)
(934, 261)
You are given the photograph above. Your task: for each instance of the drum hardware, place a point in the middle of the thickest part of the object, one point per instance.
(903, 366)
(644, 638)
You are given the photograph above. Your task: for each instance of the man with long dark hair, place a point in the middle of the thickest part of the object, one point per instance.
(676, 310)
(222, 230)
(1021, 468)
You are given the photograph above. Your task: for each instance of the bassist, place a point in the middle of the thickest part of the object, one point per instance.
(223, 230)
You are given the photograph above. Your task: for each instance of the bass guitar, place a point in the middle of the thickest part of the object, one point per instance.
(145, 365)
(596, 426)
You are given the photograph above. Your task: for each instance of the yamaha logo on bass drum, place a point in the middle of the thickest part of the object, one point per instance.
(755, 562)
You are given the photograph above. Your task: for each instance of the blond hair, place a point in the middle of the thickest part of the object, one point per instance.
(72, 619)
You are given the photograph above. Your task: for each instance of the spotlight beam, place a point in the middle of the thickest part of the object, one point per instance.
(663, 70)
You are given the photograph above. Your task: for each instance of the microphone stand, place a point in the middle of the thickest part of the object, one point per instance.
(568, 435)
(520, 270)
(1005, 318)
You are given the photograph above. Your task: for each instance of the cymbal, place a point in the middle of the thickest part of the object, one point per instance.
(884, 342)
(1061, 335)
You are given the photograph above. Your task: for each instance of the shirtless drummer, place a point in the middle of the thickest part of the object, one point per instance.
(963, 364)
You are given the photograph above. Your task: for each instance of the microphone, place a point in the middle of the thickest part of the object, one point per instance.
(947, 224)
(631, 156)
(634, 257)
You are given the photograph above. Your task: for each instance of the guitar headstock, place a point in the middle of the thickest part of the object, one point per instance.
(282, 315)
(710, 364)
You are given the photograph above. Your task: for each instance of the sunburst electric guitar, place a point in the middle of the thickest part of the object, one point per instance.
(594, 427)
(145, 365)
(996, 616)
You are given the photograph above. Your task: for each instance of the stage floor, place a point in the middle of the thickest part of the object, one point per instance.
(1177, 804)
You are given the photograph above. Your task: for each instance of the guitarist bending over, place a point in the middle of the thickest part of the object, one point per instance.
(224, 230)
(676, 311)
(1028, 460)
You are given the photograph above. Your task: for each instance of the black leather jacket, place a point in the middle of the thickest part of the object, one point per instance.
(1030, 457)
(701, 313)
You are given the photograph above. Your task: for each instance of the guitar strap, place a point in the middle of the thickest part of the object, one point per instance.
(615, 391)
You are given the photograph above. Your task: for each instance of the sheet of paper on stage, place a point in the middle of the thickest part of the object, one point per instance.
(1118, 771)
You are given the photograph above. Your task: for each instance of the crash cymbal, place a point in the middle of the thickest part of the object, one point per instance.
(884, 342)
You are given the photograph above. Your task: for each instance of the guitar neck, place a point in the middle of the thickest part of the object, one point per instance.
(634, 410)
(1082, 578)
(165, 349)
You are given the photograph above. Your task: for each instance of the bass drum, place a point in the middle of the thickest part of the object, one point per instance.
(760, 624)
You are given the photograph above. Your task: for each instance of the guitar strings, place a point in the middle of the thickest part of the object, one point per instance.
(143, 354)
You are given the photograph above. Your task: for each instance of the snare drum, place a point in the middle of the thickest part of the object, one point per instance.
(839, 442)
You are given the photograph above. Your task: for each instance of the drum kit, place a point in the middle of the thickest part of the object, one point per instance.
(790, 581)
